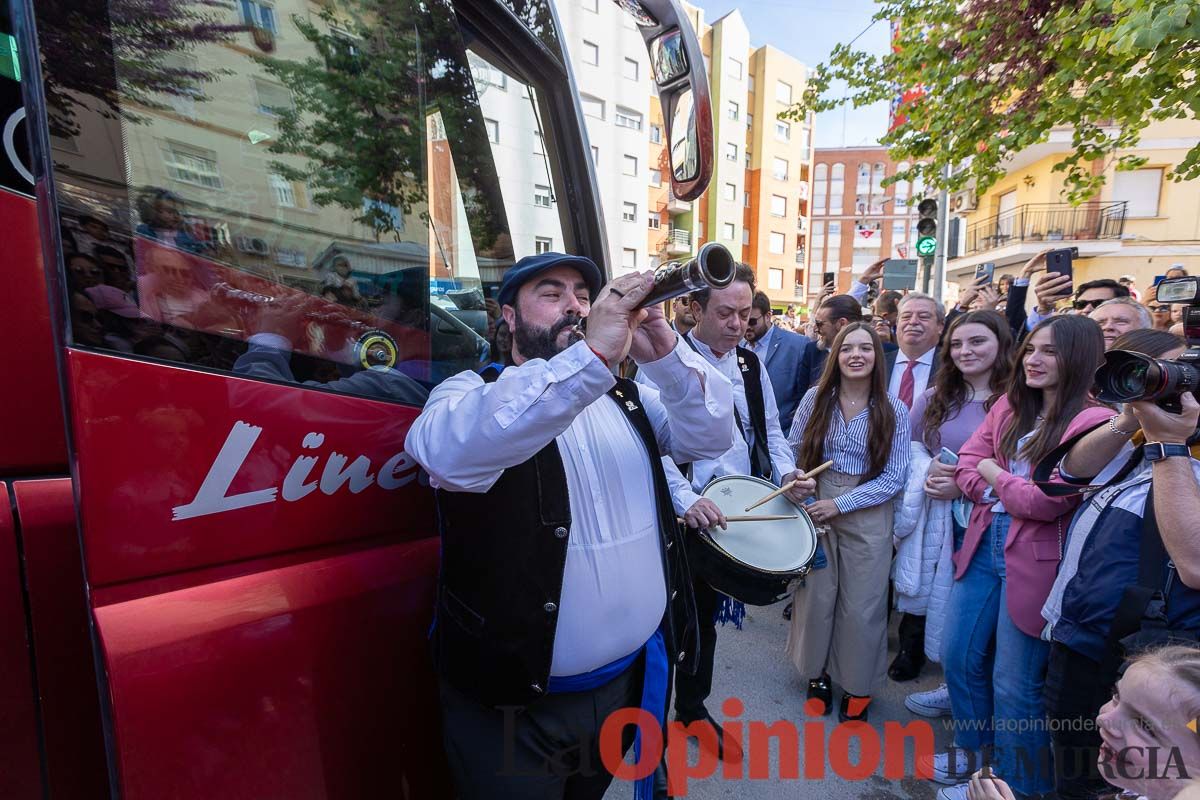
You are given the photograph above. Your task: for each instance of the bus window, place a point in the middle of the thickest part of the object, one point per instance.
(318, 194)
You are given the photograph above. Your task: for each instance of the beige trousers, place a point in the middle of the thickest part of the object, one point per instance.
(839, 617)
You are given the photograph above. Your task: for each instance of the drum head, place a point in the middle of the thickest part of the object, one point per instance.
(783, 545)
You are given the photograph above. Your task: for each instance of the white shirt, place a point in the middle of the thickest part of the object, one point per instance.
(760, 345)
(736, 458)
(921, 373)
(614, 588)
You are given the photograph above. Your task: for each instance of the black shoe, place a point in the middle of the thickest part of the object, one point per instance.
(735, 750)
(819, 689)
(906, 665)
(861, 703)
(787, 610)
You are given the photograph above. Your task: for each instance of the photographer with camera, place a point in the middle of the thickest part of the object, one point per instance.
(1130, 576)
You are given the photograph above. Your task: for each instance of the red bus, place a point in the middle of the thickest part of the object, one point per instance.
(240, 243)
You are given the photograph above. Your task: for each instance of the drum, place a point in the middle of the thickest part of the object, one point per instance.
(755, 562)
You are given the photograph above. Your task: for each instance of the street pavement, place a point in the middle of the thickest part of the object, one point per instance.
(751, 665)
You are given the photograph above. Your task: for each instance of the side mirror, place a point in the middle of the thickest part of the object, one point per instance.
(677, 67)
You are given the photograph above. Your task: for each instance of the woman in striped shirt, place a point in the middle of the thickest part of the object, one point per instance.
(839, 622)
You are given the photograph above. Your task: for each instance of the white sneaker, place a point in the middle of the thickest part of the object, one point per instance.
(949, 768)
(934, 703)
(958, 792)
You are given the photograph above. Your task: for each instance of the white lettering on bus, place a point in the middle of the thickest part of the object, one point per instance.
(213, 495)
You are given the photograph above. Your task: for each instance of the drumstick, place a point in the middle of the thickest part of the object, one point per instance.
(756, 517)
(812, 473)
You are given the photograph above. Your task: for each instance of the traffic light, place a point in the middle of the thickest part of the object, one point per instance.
(927, 211)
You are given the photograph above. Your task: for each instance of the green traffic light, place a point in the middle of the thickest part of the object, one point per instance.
(926, 246)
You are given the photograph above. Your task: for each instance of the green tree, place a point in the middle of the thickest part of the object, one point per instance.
(996, 76)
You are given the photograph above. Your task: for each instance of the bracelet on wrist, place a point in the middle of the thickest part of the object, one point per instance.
(599, 356)
(1112, 426)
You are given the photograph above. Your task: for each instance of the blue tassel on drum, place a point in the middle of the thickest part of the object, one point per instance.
(731, 611)
(819, 560)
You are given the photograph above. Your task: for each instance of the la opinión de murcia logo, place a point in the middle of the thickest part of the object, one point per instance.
(213, 496)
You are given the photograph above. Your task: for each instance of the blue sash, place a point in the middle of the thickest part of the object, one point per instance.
(654, 692)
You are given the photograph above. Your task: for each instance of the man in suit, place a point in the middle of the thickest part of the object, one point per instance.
(788, 357)
(910, 370)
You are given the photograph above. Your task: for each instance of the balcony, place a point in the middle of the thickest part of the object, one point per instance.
(1014, 236)
(677, 206)
(678, 242)
(800, 255)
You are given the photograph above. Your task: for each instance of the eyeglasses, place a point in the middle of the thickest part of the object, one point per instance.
(1080, 305)
(1160, 309)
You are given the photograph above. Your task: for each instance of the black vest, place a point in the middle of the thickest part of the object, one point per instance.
(503, 556)
(751, 368)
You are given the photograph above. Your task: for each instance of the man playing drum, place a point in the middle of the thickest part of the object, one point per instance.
(563, 593)
(759, 449)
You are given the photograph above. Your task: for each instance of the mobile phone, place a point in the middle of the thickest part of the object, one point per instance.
(987, 270)
(947, 456)
(1060, 261)
(900, 274)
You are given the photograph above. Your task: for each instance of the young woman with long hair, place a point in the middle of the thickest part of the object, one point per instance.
(839, 621)
(953, 407)
(994, 658)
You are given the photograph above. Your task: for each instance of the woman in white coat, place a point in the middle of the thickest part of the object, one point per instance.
(942, 419)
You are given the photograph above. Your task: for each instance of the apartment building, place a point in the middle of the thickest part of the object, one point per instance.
(856, 220)
(1140, 224)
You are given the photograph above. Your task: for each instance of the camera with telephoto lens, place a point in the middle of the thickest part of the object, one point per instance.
(1125, 376)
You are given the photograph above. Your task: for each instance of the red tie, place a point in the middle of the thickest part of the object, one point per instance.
(908, 383)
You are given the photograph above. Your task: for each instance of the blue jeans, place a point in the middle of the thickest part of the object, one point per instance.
(995, 672)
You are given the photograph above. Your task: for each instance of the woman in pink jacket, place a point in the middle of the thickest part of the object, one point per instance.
(994, 659)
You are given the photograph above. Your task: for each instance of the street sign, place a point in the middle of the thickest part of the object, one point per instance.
(926, 246)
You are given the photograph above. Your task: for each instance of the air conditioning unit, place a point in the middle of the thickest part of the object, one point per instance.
(252, 244)
(963, 202)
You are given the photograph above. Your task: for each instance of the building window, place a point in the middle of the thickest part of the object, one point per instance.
(727, 232)
(630, 167)
(542, 244)
(779, 169)
(273, 99)
(783, 92)
(539, 144)
(591, 53)
(774, 278)
(656, 134)
(733, 68)
(776, 243)
(624, 118)
(729, 192)
(284, 191)
(747, 159)
(542, 196)
(749, 120)
(654, 222)
(818, 235)
(629, 68)
(595, 155)
(493, 129)
(259, 15)
(194, 166)
(484, 74)
(733, 109)
(778, 205)
(750, 83)
(783, 131)
(629, 258)
(1141, 189)
(592, 106)
(746, 199)
(898, 228)
(629, 212)
(656, 177)
(745, 237)
(730, 151)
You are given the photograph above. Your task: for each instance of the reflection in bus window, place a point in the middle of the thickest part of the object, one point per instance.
(312, 198)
